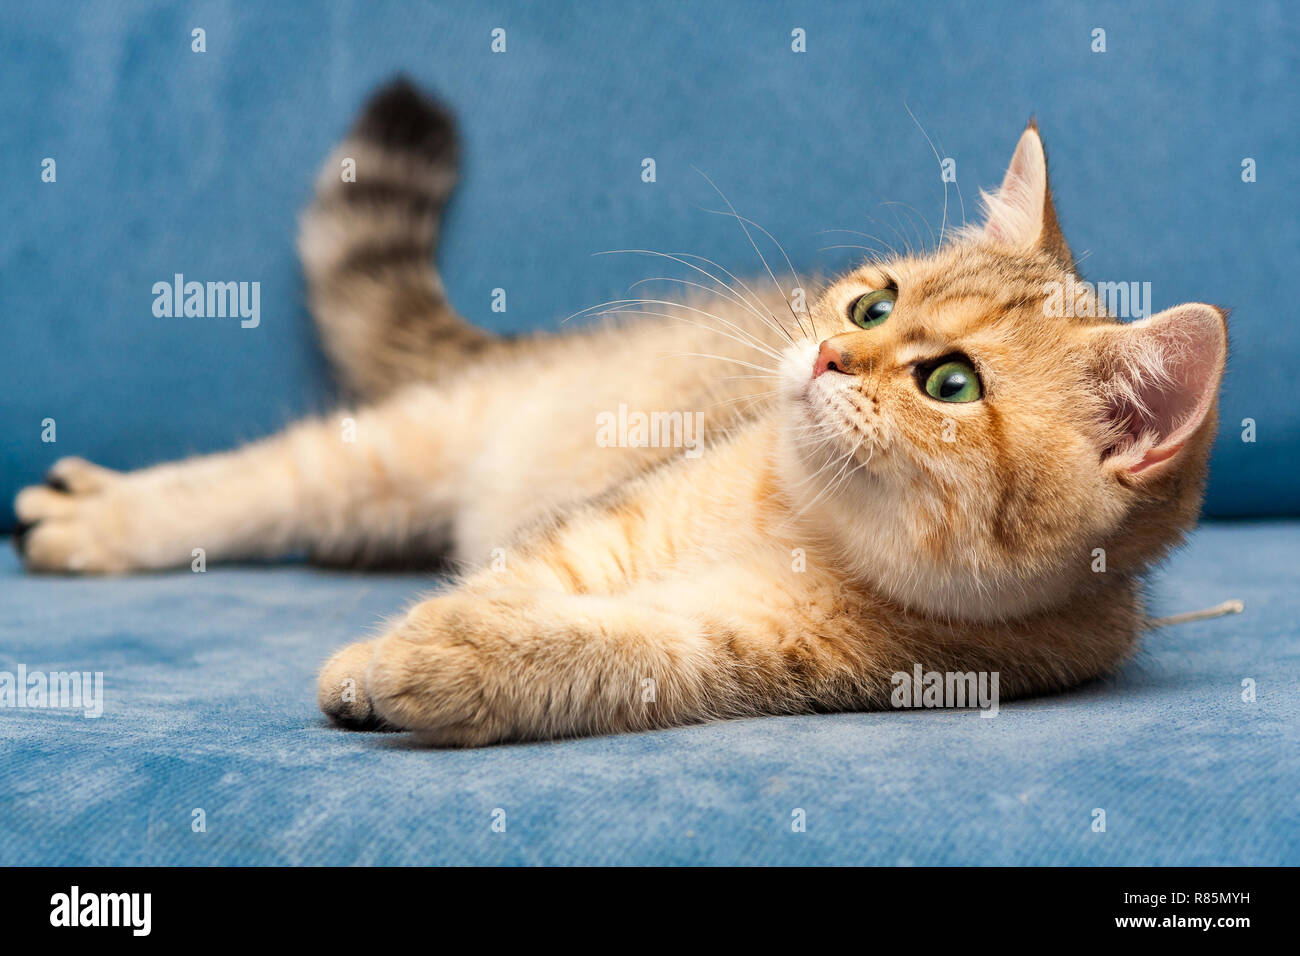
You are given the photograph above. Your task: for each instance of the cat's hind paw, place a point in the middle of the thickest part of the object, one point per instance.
(69, 524)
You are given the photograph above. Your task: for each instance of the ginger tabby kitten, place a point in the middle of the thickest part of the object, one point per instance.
(925, 484)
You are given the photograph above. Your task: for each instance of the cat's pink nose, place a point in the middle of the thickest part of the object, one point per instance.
(829, 359)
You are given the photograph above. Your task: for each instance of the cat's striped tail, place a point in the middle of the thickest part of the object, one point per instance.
(367, 243)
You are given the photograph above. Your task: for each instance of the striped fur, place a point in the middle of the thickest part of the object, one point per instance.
(367, 247)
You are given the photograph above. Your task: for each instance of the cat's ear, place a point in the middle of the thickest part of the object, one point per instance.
(1159, 380)
(1021, 214)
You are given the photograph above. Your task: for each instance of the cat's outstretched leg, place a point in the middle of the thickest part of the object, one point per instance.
(472, 668)
(359, 488)
(465, 670)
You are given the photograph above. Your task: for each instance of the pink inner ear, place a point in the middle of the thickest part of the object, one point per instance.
(1004, 210)
(1015, 211)
(1167, 375)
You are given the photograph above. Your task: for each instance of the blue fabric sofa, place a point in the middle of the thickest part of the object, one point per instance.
(210, 750)
(208, 686)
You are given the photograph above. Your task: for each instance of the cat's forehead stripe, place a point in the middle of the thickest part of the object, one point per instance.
(978, 272)
(943, 321)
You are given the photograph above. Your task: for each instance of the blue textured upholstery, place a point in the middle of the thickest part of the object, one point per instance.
(173, 161)
(209, 704)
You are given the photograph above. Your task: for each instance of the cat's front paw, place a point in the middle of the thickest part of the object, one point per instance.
(77, 522)
(435, 674)
(341, 689)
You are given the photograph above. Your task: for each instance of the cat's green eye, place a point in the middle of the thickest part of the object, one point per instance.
(871, 309)
(953, 381)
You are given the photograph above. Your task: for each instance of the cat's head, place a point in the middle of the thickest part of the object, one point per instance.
(974, 441)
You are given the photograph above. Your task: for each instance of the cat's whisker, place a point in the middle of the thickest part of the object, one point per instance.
(741, 339)
(929, 228)
(888, 249)
(819, 431)
(877, 257)
(938, 159)
(685, 323)
(616, 307)
(909, 226)
(744, 338)
(775, 323)
(842, 479)
(754, 397)
(761, 258)
(751, 301)
(812, 430)
(907, 245)
(789, 265)
(843, 463)
(698, 285)
(592, 310)
(849, 458)
(828, 440)
(748, 289)
(721, 358)
(595, 309)
(739, 329)
(943, 225)
(823, 433)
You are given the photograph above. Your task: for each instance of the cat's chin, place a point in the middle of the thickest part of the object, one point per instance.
(874, 552)
(866, 517)
(821, 458)
(822, 428)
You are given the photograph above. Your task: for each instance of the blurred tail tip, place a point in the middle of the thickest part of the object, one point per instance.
(400, 116)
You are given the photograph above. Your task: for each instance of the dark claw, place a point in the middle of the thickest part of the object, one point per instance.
(370, 722)
(20, 532)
